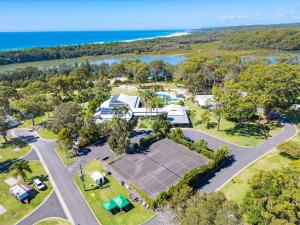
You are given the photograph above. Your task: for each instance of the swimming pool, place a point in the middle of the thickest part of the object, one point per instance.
(162, 95)
(167, 97)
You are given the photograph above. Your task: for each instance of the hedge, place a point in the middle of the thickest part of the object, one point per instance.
(146, 141)
(177, 136)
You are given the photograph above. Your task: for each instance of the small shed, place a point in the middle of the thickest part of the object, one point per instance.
(98, 177)
(19, 193)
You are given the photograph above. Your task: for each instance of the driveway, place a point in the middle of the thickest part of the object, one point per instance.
(242, 156)
(70, 197)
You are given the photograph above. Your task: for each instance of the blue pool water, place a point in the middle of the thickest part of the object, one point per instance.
(162, 95)
(174, 100)
(167, 97)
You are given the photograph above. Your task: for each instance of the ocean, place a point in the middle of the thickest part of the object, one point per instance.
(23, 40)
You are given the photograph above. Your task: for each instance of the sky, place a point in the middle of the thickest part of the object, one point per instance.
(77, 15)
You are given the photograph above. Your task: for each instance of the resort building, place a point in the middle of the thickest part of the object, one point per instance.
(125, 106)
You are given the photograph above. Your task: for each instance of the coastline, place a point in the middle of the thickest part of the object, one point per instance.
(174, 33)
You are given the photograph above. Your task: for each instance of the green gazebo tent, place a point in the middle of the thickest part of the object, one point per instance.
(109, 205)
(121, 201)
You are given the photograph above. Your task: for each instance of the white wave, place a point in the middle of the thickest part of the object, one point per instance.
(176, 34)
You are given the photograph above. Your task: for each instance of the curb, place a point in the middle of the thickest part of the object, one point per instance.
(145, 221)
(85, 200)
(227, 142)
(64, 206)
(52, 217)
(23, 218)
(249, 164)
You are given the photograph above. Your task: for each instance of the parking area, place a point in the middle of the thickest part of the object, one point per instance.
(161, 166)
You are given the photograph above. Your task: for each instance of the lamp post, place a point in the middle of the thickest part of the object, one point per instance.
(82, 177)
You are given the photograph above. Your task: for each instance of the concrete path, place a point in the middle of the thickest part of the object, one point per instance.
(50, 208)
(72, 201)
(242, 156)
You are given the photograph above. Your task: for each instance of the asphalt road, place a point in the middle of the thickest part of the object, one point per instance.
(63, 179)
(242, 156)
(50, 208)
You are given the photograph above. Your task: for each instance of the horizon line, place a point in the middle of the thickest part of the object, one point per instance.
(156, 29)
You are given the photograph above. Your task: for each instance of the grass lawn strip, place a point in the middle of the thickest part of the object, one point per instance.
(46, 134)
(14, 150)
(53, 221)
(38, 120)
(15, 209)
(249, 140)
(64, 157)
(111, 189)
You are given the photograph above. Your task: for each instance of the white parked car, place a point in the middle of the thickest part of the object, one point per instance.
(39, 184)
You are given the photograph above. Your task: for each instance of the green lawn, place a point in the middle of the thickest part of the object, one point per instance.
(250, 136)
(111, 189)
(47, 134)
(65, 157)
(15, 209)
(13, 150)
(54, 221)
(38, 120)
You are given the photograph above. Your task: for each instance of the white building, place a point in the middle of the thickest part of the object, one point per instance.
(98, 178)
(106, 110)
(176, 114)
(205, 101)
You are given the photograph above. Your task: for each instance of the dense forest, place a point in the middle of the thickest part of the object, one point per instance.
(280, 39)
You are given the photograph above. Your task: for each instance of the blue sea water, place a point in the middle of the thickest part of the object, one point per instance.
(22, 40)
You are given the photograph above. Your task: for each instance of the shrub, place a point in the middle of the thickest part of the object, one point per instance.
(290, 149)
(161, 127)
(176, 135)
(146, 141)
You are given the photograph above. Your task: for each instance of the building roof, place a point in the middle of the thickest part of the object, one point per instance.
(18, 191)
(204, 100)
(178, 119)
(96, 175)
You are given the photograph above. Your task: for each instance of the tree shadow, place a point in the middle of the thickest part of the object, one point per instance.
(206, 179)
(29, 138)
(13, 142)
(254, 130)
(211, 125)
(5, 165)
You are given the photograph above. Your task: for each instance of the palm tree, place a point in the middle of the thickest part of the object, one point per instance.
(124, 110)
(20, 168)
(146, 97)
